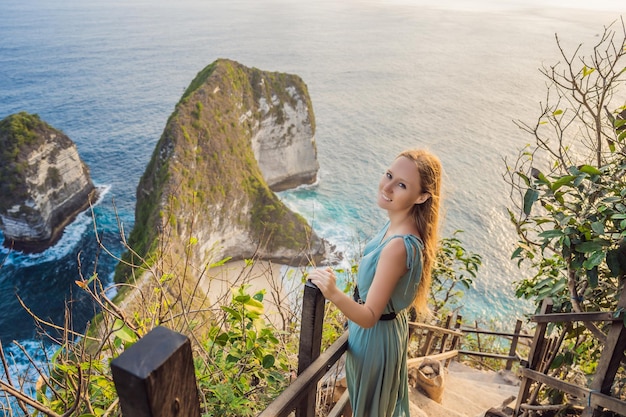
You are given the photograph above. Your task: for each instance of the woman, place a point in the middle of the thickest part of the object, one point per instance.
(394, 274)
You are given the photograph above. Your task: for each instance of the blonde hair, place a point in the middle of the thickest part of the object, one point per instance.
(426, 216)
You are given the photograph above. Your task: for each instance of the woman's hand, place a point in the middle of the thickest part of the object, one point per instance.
(325, 280)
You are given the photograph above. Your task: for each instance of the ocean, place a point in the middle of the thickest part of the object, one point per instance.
(383, 75)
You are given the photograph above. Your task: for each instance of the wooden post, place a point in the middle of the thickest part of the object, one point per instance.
(514, 341)
(428, 343)
(310, 340)
(454, 344)
(155, 377)
(480, 349)
(612, 355)
(444, 337)
(534, 355)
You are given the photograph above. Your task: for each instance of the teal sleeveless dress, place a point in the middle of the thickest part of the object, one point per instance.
(376, 360)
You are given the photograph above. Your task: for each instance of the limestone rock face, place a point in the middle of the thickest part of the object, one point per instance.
(285, 149)
(43, 182)
(237, 135)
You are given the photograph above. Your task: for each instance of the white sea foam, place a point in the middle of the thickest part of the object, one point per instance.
(72, 234)
(22, 369)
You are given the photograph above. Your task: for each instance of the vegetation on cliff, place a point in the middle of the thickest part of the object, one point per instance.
(43, 182)
(20, 134)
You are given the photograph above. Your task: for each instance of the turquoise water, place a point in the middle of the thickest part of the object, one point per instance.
(383, 76)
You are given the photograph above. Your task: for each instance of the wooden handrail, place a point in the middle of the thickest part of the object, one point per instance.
(293, 394)
(435, 329)
(492, 333)
(489, 355)
(598, 395)
(584, 316)
(592, 398)
(438, 357)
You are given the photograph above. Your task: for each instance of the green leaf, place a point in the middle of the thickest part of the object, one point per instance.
(612, 146)
(562, 181)
(524, 177)
(222, 339)
(592, 277)
(243, 298)
(548, 234)
(613, 262)
(123, 332)
(529, 199)
(516, 253)
(259, 296)
(232, 358)
(598, 227)
(254, 306)
(543, 179)
(591, 170)
(220, 263)
(557, 362)
(559, 287)
(594, 259)
(234, 313)
(587, 71)
(591, 246)
(268, 361)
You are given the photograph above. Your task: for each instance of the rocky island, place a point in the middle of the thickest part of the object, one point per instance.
(237, 135)
(43, 182)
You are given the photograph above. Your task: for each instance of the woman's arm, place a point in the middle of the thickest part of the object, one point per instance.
(391, 266)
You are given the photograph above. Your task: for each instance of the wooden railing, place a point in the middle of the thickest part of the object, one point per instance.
(155, 376)
(514, 338)
(544, 350)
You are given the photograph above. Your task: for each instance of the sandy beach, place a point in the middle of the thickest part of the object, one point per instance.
(280, 282)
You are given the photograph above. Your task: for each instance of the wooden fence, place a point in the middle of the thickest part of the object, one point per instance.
(155, 376)
(543, 352)
(514, 338)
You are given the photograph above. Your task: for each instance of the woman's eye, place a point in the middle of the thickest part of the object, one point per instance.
(388, 174)
(402, 185)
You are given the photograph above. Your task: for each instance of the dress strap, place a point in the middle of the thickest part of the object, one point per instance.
(414, 246)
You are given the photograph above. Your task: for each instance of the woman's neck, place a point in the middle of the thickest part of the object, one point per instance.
(401, 224)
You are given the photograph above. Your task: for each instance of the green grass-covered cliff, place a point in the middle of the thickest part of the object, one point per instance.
(203, 191)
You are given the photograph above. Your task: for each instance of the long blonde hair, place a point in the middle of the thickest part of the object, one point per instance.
(426, 217)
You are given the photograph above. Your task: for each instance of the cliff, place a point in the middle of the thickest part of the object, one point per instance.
(236, 135)
(43, 182)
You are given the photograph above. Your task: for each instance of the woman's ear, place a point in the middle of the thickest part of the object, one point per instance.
(422, 198)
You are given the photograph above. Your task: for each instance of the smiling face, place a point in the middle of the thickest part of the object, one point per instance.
(400, 186)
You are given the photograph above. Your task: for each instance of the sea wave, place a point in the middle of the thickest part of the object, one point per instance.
(72, 234)
(22, 365)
